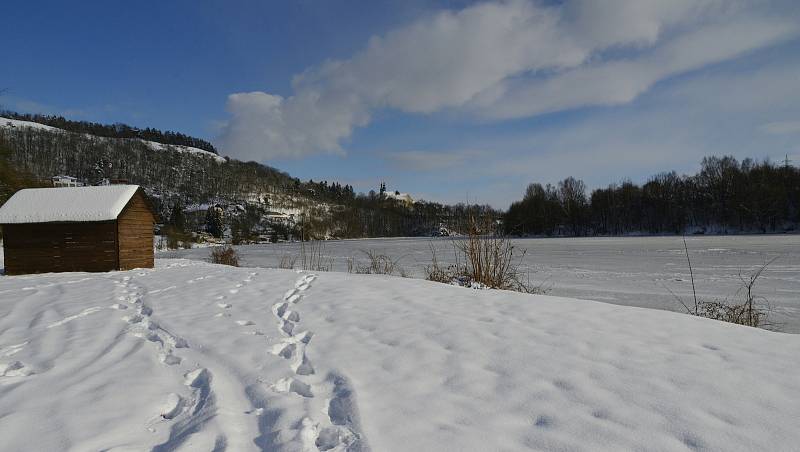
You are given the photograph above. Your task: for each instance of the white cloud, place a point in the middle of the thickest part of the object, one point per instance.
(620, 82)
(504, 59)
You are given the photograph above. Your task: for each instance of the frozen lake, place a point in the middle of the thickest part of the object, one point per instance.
(634, 271)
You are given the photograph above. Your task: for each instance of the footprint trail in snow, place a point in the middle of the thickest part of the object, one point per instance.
(337, 431)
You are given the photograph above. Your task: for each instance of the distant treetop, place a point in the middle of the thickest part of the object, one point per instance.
(114, 130)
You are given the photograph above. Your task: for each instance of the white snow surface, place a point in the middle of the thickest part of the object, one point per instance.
(43, 205)
(194, 356)
(13, 123)
(162, 147)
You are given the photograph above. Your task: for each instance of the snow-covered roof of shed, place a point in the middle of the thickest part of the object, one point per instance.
(74, 204)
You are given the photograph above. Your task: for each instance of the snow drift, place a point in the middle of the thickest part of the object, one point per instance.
(193, 356)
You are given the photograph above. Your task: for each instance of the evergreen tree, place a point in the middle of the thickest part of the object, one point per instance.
(214, 223)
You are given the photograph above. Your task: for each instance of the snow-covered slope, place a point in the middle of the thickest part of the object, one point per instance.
(16, 123)
(192, 356)
(12, 123)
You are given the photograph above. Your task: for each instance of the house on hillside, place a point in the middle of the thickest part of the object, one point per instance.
(404, 198)
(92, 229)
(66, 181)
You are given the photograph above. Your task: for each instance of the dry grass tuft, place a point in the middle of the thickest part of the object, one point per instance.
(312, 256)
(224, 255)
(288, 261)
(485, 258)
(377, 264)
(751, 310)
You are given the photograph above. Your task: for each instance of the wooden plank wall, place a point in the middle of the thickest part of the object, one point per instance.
(135, 229)
(60, 247)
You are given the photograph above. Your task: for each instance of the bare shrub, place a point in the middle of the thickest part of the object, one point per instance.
(176, 238)
(312, 257)
(377, 264)
(485, 258)
(443, 274)
(751, 310)
(288, 261)
(224, 255)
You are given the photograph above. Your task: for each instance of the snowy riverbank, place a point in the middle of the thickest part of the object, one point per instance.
(632, 271)
(193, 356)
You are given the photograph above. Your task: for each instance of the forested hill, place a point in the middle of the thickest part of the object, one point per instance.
(114, 130)
(725, 196)
(184, 182)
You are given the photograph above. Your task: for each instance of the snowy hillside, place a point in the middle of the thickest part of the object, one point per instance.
(16, 123)
(192, 356)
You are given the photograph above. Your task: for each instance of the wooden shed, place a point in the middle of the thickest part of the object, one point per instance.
(93, 229)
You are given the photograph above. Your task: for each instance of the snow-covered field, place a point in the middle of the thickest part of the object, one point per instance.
(193, 356)
(636, 271)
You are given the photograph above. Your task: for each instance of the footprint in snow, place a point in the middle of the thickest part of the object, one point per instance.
(288, 346)
(280, 308)
(196, 378)
(335, 438)
(172, 406)
(169, 359)
(14, 369)
(284, 350)
(287, 327)
(287, 385)
(292, 316)
(224, 305)
(304, 337)
(302, 366)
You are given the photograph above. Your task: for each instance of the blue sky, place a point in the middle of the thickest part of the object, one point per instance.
(450, 101)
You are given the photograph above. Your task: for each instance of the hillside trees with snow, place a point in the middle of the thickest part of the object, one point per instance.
(172, 176)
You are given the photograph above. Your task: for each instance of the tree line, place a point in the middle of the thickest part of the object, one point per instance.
(117, 130)
(725, 196)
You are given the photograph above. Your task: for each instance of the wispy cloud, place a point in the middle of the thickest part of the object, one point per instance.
(500, 60)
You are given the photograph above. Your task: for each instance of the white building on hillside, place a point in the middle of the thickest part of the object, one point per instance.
(404, 198)
(66, 181)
